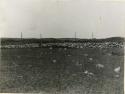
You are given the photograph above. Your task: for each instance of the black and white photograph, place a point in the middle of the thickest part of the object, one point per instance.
(62, 46)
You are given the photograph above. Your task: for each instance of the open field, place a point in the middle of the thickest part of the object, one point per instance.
(62, 70)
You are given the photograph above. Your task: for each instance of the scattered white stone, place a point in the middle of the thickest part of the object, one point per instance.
(117, 70)
(89, 73)
(20, 76)
(117, 76)
(65, 48)
(50, 48)
(81, 47)
(54, 61)
(99, 66)
(90, 59)
(86, 72)
(109, 54)
(68, 55)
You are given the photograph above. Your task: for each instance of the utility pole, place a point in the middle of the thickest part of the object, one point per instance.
(40, 40)
(21, 35)
(40, 36)
(21, 42)
(75, 36)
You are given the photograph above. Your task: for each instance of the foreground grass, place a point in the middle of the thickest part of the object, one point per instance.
(51, 70)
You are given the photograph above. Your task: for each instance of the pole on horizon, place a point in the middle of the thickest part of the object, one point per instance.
(21, 35)
(75, 36)
(21, 42)
(40, 40)
(40, 36)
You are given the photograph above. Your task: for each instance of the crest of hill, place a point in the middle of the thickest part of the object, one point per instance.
(59, 40)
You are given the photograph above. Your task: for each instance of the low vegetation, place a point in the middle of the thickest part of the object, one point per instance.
(62, 70)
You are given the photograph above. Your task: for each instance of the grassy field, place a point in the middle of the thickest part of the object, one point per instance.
(61, 70)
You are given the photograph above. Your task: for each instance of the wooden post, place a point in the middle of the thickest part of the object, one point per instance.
(75, 36)
(40, 40)
(21, 35)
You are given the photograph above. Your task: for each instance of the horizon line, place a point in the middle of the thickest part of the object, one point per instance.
(61, 37)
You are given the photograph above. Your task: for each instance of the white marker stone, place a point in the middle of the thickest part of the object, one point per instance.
(50, 48)
(99, 65)
(117, 76)
(54, 61)
(69, 55)
(90, 59)
(117, 70)
(81, 47)
(65, 48)
(91, 73)
(86, 72)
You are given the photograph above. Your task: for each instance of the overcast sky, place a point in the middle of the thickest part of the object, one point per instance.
(62, 18)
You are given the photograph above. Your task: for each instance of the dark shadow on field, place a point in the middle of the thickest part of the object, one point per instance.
(64, 70)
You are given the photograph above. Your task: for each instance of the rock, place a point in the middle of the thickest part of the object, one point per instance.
(117, 76)
(86, 72)
(117, 70)
(89, 73)
(68, 55)
(65, 48)
(90, 59)
(99, 66)
(54, 61)
(50, 48)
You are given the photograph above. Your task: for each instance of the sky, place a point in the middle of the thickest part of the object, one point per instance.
(62, 18)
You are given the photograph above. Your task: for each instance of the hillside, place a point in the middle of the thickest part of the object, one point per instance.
(58, 40)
